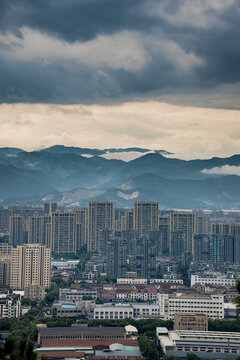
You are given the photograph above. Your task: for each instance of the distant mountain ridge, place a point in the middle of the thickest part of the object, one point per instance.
(66, 175)
(80, 151)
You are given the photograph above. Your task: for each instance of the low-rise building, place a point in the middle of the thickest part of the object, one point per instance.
(218, 280)
(34, 292)
(191, 322)
(64, 264)
(144, 295)
(78, 309)
(76, 294)
(145, 311)
(81, 333)
(114, 311)
(230, 311)
(131, 281)
(124, 311)
(92, 349)
(173, 281)
(210, 305)
(205, 344)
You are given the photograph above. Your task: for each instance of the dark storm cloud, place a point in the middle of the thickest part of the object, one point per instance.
(112, 50)
(73, 20)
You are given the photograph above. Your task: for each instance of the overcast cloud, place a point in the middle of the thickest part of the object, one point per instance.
(161, 74)
(188, 132)
(106, 51)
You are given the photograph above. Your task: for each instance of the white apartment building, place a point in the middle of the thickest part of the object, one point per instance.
(124, 311)
(212, 306)
(219, 280)
(150, 295)
(10, 306)
(131, 281)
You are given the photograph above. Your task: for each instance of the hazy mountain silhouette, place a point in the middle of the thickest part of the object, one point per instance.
(73, 178)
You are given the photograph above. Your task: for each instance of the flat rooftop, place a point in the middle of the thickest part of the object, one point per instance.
(81, 329)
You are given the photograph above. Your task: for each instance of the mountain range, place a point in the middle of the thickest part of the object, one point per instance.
(73, 176)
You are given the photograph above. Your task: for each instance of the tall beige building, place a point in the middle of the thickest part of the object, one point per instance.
(100, 216)
(30, 266)
(183, 222)
(145, 216)
(16, 229)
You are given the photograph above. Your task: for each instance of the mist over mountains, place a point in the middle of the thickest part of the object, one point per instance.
(73, 176)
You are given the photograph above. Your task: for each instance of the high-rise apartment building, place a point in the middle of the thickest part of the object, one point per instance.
(63, 232)
(5, 249)
(50, 207)
(30, 266)
(118, 214)
(225, 228)
(225, 249)
(201, 224)
(81, 227)
(100, 217)
(164, 231)
(4, 220)
(127, 220)
(145, 216)
(178, 239)
(201, 252)
(37, 229)
(116, 256)
(5, 270)
(184, 222)
(16, 230)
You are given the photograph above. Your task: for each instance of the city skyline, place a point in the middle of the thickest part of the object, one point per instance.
(119, 179)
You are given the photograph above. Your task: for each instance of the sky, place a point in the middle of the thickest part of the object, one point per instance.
(160, 74)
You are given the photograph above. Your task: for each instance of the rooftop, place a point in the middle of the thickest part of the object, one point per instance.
(80, 329)
(86, 343)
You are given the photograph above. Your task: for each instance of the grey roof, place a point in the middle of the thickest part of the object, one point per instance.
(81, 329)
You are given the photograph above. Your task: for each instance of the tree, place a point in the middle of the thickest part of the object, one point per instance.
(99, 301)
(148, 348)
(192, 356)
(18, 349)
